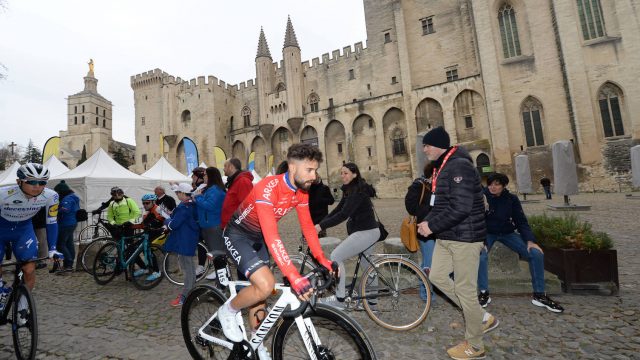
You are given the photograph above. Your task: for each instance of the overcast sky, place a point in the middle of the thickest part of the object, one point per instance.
(45, 46)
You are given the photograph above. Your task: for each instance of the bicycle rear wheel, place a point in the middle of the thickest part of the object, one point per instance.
(391, 288)
(25, 324)
(148, 271)
(171, 268)
(92, 232)
(201, 303)
(90, 251)
(340, 337)
(106, 265)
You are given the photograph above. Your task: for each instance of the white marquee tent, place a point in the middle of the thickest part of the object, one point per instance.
(93, 179)
(56, 167)
(9, 176)
(162, 170)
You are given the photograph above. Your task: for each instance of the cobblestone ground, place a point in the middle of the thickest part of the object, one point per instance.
(81, 320)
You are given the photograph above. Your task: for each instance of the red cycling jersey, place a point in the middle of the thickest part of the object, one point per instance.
(271, 199)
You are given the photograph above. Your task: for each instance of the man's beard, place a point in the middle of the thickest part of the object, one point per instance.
(302, 185)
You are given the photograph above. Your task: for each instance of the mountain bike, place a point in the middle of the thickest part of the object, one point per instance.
(22, 308)
(307, 330)
(133, 255)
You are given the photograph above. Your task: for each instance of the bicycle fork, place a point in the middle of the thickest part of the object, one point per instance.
(309, 336)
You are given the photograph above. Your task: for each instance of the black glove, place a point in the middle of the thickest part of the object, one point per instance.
(127, 224)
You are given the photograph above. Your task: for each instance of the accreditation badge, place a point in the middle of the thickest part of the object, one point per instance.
(432, 202)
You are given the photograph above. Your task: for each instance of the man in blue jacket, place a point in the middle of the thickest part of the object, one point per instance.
(504, 217)
(69, 205)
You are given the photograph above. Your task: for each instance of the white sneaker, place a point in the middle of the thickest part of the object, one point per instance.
(229, 324)
(263, 353)
(212, 275)
(199, 270)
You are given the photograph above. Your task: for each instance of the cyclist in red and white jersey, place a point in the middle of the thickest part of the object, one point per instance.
(252, 234)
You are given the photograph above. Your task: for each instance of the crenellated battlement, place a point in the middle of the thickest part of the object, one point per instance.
(151, 77)
(248, 85)
(347, 52)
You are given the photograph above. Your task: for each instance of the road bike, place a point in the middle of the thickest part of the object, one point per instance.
(22, 308)
(304, 330)
(133, 255)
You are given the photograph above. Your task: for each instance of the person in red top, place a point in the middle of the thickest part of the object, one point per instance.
(239, 185)
(252, 234)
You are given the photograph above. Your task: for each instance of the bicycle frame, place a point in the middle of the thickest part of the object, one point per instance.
(144, 246)
(288, 298)
(17, 281)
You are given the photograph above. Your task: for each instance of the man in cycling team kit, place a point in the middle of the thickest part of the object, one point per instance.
(18, 204)
(252, 233)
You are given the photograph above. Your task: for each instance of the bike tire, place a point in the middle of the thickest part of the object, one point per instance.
(202, 302)
(332, 327)
(92, 232)
(142, 282)
(25, 335)
(89, 253)
(171, 268)
(396, 295)
(106, 265)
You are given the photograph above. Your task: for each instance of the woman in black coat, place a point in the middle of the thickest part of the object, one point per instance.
(420, 209)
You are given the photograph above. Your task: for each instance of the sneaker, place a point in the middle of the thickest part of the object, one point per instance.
(484, 299)
(263, 353)
(543, 300)
(178, 301)
(489, 323)
(139, 272)
(199, 270)
(212, 275)
(464, 350)
(229, 323)
(154, 276)
(68, 269)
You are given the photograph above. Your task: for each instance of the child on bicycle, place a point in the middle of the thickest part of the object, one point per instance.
(152, 223)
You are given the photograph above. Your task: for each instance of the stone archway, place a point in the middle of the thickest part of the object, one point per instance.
(309, 135)
(259, 146)
(364, 145)
(396, 144)
(239, 152)
(428, 115)
(470, 117)
(280, 141)
(335, 146)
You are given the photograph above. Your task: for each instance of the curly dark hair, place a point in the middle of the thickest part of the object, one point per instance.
(501, 179)
(304, 152)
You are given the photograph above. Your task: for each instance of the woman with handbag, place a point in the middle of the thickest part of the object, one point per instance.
(416, 201)
(355, 207)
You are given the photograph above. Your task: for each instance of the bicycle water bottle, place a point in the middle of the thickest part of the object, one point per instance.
(4, 294)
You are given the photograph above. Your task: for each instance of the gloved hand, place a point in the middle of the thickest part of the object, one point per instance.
(127, 224)
(54, 254)
(299, 284)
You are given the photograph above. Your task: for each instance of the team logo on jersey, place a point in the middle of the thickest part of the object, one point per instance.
(17, 201)
(457, 179)
(269, 188)
(280, 252)
(53, 210)
(10, 192)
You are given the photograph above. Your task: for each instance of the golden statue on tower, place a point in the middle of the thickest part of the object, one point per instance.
(91, 66)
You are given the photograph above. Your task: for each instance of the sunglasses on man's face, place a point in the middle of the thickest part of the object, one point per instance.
(147, 202)
(35, 182)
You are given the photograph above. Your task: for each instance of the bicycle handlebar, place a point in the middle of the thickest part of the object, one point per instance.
(312, 275)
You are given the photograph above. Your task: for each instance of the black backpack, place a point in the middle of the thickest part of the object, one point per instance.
(81, 215)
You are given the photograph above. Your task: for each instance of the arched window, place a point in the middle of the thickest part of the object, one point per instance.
(483, 164)
(509, 31)
(611, 100)
(186, 116)
(591, 20)
(246, 116)
(531, 118)
(398, 144)
(314, 99)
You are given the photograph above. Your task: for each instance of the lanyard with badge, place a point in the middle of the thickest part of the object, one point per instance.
(434, 178)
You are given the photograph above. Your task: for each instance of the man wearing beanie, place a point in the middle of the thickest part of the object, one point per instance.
(457, 220)
(69, 205)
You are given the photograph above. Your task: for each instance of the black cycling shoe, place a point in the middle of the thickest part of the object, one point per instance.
(542, 300)
(484, 299)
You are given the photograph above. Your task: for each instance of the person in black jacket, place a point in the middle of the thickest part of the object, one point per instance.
(421, 188)
(504, 217)
(457, 220)
(355, 207)
(319, 200)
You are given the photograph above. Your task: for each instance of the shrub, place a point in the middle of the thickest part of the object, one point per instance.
(567, 232)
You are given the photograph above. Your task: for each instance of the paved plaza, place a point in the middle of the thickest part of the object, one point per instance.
(79, 319)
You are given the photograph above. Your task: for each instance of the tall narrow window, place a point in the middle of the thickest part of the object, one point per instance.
(144, 158)
(75, 109)
(591, 20)
(142, 121)
(104, 112)
(147, 138)
(96, 110)
(97, 121)
(104, 123)
(427, 25)
(339, 148)
(352, 74)
(314, 99)
(83, 119)
(531, 118)
(75, 120)
(246, 116)
(398, 144)
(509, 31)
(468, 121)
(82, 108)
(330, 102)
(610, 99)
(387, 37)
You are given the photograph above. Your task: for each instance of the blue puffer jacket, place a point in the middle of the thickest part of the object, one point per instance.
(69, 205)
(185, 232)
(209, 205)
(505, 215)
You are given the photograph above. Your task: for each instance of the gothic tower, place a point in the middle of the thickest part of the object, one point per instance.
(264, 76)
(293, 76)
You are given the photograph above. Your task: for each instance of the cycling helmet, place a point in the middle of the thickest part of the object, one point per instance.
(33, 171)
(116, 190)
(149, 197)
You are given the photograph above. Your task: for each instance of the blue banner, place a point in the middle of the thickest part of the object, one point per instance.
(190, 154)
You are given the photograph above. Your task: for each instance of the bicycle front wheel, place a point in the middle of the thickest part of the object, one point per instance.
(171, 268)
(145, 271)
(201, 303)
(106, 265)
(340, 337)
(391, 292)
(90, 251)
(25, 324)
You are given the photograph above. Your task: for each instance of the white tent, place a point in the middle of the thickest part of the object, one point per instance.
(56, 167)
(9, 176)
(256, 177)
(162, 170)
(93, 179)
(203, 165)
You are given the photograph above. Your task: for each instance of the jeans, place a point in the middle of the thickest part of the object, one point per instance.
(426, 249)
(547, 191)
(514, 242)
(66, 246)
